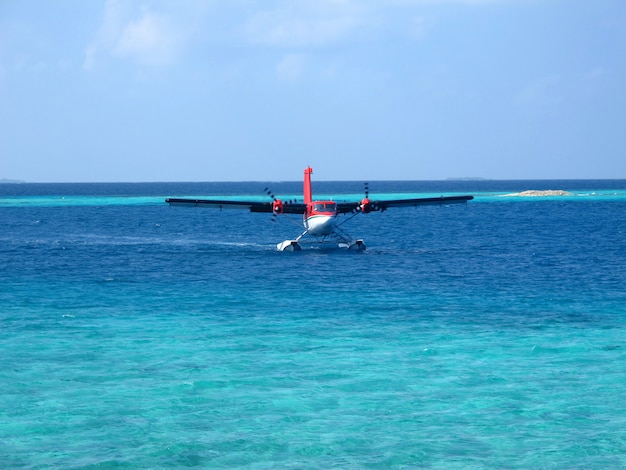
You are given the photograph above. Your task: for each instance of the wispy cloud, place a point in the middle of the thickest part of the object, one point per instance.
(149, 39)
(303, 23)
(139, 34)
(157, 33)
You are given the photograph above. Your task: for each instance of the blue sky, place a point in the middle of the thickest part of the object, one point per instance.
(240, 90)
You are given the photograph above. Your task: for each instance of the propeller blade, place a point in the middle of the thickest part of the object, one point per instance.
(270, 194)
(367, 190)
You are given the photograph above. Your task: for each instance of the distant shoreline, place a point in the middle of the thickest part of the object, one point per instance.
(8, 181)
(469, 178)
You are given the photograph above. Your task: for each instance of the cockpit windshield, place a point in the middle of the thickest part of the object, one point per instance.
(325, 207)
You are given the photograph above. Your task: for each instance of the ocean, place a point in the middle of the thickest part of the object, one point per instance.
(490, 334)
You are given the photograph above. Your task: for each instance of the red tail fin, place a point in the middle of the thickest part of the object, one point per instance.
(308, 197)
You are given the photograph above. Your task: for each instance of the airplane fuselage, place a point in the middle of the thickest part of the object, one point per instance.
(320, 218)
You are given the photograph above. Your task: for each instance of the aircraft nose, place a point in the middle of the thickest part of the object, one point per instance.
(321, 225)
(328, 220)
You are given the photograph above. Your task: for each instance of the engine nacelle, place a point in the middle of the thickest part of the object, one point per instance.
(366, 206)
(278, 207)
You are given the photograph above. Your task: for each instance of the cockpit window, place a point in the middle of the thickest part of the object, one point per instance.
(325, 206)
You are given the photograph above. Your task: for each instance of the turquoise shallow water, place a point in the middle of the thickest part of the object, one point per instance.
(485, 335)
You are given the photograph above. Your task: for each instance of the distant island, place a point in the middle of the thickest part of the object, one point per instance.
(468, 178)
(8, 181)
(535, 193)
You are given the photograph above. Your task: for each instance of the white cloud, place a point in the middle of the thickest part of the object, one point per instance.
(303, 23)
(149, 40)
(157, 32)
(142, 35)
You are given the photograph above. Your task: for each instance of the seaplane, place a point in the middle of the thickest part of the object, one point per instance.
(319, 217)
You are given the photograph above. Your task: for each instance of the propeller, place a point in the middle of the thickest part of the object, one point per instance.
(365, 205)
(270, 193)
(277, 207)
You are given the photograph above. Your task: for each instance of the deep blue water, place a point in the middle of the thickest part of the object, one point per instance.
(486, 335)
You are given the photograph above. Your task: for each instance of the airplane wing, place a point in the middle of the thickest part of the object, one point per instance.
(383, 205)
(252, 206)
(299, 208)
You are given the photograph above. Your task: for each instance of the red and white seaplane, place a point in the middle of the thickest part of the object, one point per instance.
(320, 218)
